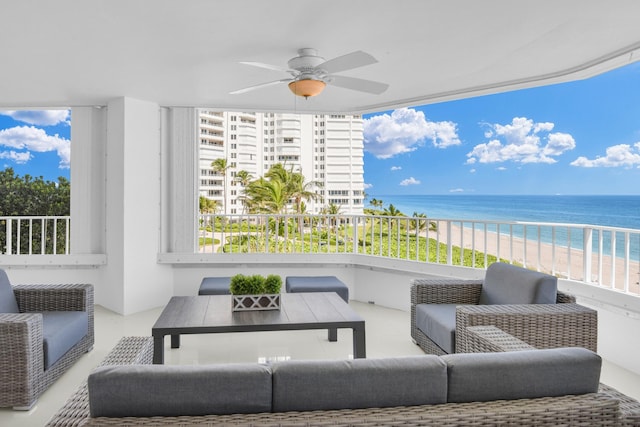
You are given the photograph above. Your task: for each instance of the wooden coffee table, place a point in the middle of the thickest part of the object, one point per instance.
(212, 314)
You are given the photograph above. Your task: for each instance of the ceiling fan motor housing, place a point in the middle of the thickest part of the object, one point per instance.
(306, 61)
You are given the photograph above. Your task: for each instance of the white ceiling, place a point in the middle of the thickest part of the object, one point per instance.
(187, 52)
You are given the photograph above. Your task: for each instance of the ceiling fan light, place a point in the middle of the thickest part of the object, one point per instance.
(307, 87)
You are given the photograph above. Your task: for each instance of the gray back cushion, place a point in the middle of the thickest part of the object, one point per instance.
(481, 377)
(166, 390)
(359, 383)
(509, 284)
(8, 302)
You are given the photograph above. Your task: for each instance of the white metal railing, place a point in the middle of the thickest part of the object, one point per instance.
(606, 256)
(34, 235)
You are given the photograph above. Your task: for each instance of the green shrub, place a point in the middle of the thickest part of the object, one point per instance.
(256, 284)
(245, 285)
(272, 284)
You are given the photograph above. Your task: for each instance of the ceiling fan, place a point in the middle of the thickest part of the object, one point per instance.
(310, 73)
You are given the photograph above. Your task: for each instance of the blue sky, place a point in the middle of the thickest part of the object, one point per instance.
(36, 143)
(581, 137)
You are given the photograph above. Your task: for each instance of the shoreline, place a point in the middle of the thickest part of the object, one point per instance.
(545, 257)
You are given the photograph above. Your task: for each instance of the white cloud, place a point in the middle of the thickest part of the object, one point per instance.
(501, 168)
(29, 138)
(367, 186)
(396, 168)
(472, 171)
(521, 141)
(622, 155)
(456, 190)
(409, 181)
(39, 117)
(19, 158)
(404, 131)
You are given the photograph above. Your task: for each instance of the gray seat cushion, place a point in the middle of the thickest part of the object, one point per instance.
(62, 330)
(438, 322)
(215, 286)
(317, 284)
(359, 383)
(481, 377)
(509, 284)
(170, 390)
(8, 303)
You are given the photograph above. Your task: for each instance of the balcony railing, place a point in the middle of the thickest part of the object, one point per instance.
(34, 235)
(604, 256)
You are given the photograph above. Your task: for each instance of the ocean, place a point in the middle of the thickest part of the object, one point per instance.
(608, 211)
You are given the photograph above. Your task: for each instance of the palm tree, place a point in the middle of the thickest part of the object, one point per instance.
(392, 211)
(244, 178)
(221, 166)
(207, 205)
(376, 203)
(294, 184)
(301, 190)
(419, 224)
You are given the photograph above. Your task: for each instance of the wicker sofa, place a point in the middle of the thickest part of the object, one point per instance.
(585, 409)
(544, 319)
(44, 330)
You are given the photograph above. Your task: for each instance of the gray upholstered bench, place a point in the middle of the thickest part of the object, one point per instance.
(215, 286)
(317, 284)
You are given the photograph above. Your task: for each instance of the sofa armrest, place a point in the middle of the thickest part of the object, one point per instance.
(21, 353)
(489, 339)
(539, 325)
(445, 291)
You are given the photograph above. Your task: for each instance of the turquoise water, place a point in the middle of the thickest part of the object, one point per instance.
(608, 211)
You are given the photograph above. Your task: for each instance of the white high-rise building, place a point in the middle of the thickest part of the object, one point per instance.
(327, 148)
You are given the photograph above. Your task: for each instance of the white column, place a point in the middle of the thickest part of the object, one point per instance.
(134, 281)
(88, 136)
(180, 202)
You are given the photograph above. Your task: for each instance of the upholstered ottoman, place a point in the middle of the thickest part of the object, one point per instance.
(215, 286)
(317, 284)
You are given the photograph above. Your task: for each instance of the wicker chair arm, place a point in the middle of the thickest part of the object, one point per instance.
(445, 291)
(539, 325)
(37, 298)
(21, 352)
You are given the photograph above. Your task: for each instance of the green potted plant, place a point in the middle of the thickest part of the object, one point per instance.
(255, 292)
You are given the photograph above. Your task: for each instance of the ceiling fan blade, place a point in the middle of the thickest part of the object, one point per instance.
(260, 86)
(361, 85)
(270, 67)
(347, 62)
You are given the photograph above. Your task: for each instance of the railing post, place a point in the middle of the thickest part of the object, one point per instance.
(587, 253)
(9, 236)
(356, 222)
(449, 244)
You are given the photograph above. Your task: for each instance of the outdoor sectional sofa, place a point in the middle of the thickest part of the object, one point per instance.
(529, 388)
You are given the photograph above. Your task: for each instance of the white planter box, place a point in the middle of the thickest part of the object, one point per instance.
(256, 302)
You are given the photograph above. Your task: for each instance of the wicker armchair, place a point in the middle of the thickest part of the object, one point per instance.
(564, 324)
(23, 377)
